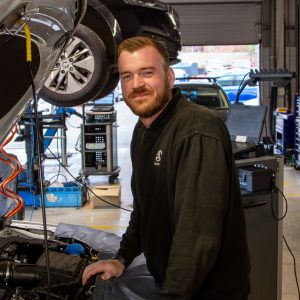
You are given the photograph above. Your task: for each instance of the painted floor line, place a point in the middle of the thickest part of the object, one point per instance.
(107, 226)
(292, 195)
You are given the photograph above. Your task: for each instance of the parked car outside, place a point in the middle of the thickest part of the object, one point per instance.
(87, 69)
(180, 74)
(207, 93)
(231, 80)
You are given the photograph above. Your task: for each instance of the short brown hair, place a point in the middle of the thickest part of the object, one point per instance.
(139, 42)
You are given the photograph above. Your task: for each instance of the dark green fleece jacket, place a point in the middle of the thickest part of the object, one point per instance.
(187, 217)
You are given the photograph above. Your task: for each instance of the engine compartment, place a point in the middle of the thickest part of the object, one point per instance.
(23, 269)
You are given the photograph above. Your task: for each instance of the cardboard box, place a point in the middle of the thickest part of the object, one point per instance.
(110, 193)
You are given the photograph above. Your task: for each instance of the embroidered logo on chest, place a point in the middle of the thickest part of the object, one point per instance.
(157, 159)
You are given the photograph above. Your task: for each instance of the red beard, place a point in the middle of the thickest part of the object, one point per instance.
(150, 102)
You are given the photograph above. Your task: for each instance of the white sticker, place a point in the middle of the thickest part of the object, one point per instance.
(51, 198)
(241, 138)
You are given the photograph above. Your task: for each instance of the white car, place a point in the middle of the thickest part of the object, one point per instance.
(207, 93)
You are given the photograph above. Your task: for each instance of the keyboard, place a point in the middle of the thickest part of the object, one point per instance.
(238, 147)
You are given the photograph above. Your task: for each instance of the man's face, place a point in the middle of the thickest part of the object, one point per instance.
(146, 84)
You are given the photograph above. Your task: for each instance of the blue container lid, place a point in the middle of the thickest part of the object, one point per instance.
(75, 249)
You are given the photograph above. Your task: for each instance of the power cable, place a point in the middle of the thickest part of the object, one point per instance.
(272, 205)
(85, 186)
(72, 126)
(75, 179)
(16, 169)
(240, 86)
(58, 172)
(29, 59)
(41, 179)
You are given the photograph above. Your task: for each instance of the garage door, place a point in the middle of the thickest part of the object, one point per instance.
(234, 22)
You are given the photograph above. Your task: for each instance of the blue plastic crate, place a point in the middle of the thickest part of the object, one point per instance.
(70, 195)
(63, 196)
(30, 198)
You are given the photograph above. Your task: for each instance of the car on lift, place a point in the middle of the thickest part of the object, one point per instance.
(87, 68)
(206, 92)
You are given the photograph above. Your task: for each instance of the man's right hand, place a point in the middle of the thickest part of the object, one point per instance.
(110, 268)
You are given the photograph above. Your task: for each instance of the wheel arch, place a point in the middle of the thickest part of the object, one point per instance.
(99, 18)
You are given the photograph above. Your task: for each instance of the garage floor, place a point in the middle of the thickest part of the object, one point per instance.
(115, 220)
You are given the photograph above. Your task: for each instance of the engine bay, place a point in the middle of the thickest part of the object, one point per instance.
(24, 273)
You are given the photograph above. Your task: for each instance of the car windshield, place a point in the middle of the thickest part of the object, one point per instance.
(206, 96)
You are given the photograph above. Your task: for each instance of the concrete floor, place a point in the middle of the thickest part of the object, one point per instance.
(115, 220)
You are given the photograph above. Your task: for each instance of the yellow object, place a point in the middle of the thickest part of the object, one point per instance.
(94, 258)
(28, 40)
(282, 110)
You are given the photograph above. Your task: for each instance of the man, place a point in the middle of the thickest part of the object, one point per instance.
(187, 213)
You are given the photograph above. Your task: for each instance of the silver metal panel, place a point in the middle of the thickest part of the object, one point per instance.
(228, 23)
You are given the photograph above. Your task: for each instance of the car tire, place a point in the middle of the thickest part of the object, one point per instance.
(111, 84)
(84, 63)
